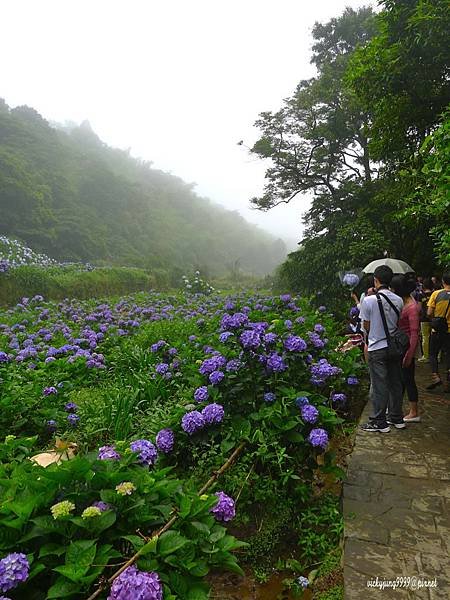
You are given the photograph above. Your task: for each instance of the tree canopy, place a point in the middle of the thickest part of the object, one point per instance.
(353, 137)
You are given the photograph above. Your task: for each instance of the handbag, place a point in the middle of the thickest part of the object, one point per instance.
(398, 342)
(440, 324)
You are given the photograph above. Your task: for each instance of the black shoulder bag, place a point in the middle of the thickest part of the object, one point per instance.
(440, 324)
(398, 342)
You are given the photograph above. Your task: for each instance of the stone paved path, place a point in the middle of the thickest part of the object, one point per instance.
(397, 505)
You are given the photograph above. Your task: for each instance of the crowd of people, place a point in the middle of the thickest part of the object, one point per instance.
(402, 319)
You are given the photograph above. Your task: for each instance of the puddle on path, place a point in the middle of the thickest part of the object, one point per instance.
(233, 587)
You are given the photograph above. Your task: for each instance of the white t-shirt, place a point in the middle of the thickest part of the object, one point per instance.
(371, 312)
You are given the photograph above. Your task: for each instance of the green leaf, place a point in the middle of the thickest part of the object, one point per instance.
(79, 558)
(51, 549)
(170, 542)
(202, 527)
(136, 541)
(150, 547)
(185, 507)
(62, 589)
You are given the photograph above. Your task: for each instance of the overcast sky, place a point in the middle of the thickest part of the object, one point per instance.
(179, 82)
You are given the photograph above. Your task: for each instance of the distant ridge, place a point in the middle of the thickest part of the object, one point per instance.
(66, 193)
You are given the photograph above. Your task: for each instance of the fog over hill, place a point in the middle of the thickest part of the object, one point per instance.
(66, 193)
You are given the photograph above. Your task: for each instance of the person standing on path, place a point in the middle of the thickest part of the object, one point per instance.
(439, 313)
(385, 372)
(410, 323)
(425, 325)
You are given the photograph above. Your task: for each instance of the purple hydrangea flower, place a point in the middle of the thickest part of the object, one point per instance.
(250, 339)
(338, 398)
(172, 351)
(49, 390)
(225, 509)
(316, 340)
(350, 279)
(294, 343)
(301, 401)
(319, 328)
(285, 298)
(165, 440)
(213, 413)
(3, 357)
(270, 338)
(14, 569)
(288, 324)
(310, 414)
(275, 363)
(133, 584)
(108, 453)
(73, 419)
(162, 368)
(211, 364)
(322, 309)
(223, 337)
(103, 506)
(233, 365)
(318, 438)
(303, 582)
(269, 397)
(70, 407)
(156, 347)
(192, 422)
(322, 370)
(216, 377)
(201, 394)
(52, 426)
(192, 338)
(352, 380)
(300, 320)
(147, 452)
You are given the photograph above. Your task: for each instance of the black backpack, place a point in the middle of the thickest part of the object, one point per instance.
(398, 342)
(440, 324)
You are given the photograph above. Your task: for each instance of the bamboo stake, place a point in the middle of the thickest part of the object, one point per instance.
(171, 521)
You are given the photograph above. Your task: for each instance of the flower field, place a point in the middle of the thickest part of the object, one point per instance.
(138, 405)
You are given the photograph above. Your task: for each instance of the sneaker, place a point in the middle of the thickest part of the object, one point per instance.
(397, 424)
(376, 427)
(423, 359)
(417, 419)
(434, 385)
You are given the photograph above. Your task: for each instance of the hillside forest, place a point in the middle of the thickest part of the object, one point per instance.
(67, 194)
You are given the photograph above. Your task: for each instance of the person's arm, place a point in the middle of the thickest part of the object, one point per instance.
(431, 305)
(414, 327)
(365, 314)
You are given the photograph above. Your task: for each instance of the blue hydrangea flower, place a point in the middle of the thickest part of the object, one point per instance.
(318, 438)
(108, 453)
(162, 368)
(71, 407)
(50, 390)
(270, 338)
(310, 414)
(165, 440)
(223, 337)
(201, 394)
(216, 377)
(133, 584)
(294, 343)
(52, 426)
(269, 397)
(14, 569)
(301, 401)
(147, 452)
(352, 380)
(233, 365)
(338, 398)
(225, 509)
(192, 422)
(250, 339)
(285, 298)
(213, 413)
(275, 363)
(303, 582)
(73, 419)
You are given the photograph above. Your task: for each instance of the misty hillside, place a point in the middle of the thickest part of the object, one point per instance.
(66, 193)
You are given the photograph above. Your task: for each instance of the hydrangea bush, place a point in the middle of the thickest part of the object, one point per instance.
(174, 376)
